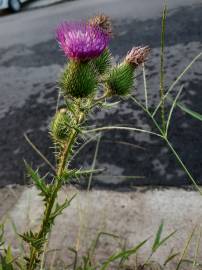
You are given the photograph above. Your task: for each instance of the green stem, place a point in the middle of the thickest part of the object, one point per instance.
(183, 165)
(34, 254)
(162, 67)
(107, 128)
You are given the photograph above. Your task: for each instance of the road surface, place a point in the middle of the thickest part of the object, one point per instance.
(30, 63)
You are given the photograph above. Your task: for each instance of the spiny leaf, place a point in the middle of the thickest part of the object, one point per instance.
(33, 240)
(75, 174)
(38, 181)
(60, 207)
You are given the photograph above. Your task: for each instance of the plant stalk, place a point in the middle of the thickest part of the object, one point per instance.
(34, 255)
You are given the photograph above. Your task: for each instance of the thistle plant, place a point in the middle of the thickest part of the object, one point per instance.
(88, 80)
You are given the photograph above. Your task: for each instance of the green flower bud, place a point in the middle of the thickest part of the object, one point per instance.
(103, 62)
(78, 80)
(121, 78)
(61, 125)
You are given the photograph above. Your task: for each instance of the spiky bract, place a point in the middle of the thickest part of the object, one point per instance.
(61, 125)
(78, 80)
(103, 62)
(120, 80)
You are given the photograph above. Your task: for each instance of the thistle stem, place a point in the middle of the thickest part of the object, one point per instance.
(34, 254)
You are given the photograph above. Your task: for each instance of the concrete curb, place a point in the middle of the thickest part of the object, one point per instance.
(134, 216)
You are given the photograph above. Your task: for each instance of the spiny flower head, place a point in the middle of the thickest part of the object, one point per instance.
(81, 41)
(137, 55)
(60, 125)
(103, 22)
(78, 79)
(120, 80)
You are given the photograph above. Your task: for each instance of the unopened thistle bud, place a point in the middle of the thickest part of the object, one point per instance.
(103, 22)
(120, 80)
(137, 56)
(61, 125)
(78, 80)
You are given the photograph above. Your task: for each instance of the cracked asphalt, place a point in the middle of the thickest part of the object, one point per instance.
(30, 63)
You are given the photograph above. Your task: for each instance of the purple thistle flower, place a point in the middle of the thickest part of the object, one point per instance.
(81, 41)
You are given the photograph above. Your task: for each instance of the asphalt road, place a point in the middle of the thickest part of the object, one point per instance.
(30, 63)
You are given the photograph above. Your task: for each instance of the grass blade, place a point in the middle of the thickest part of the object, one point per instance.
(183, 166)
(145, 86)
(39, 152)
(96, 241)
(185, 249)
(122, 254)
(135, 146)
(157, 237)
(170, 258)
(195, 115)
(194, 265)
(107, 128)
(92, 138)
(172, 108)
(176, 81)
(166, 238)
(94, 161)
(158, 242)
(123, 176)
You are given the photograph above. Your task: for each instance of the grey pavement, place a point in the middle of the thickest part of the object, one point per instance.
(30, 63)
(133, 217)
